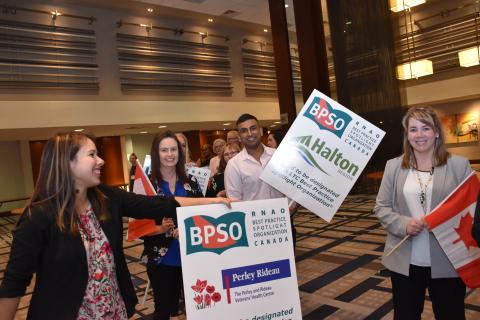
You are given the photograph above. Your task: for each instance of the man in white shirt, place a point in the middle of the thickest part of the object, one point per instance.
(242, 175)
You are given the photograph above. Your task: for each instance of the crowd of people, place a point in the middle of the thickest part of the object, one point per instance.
(70, 235)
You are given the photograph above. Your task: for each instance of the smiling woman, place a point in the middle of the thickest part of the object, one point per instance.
(412, 185)
(70, 236)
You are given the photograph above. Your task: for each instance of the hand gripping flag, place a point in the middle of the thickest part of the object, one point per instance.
(451, 223)
(141, 185)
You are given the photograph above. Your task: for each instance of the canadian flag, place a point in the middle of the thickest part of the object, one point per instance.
(451, 223)
(141, 185)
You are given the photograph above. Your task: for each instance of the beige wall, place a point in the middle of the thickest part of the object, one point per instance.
(13, 179)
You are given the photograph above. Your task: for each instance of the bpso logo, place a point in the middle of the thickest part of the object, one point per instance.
(326, 117)
(205, 233)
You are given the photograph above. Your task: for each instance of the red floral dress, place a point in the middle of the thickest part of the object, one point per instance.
(102, 298)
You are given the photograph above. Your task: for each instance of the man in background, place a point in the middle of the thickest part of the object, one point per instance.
(133, 162)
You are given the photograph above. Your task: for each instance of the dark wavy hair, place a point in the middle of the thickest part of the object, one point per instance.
(55, 185)
(156, 175)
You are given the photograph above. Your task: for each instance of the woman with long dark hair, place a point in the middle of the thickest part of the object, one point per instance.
(163, 249)
(70, 236)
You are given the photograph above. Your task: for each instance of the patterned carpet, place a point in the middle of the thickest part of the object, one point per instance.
(338, 267)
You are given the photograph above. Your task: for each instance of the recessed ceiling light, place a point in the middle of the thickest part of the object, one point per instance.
(210, 20)
(286, 5)
(143, 132)
(161, 126)
(150, 9)
(265, 30)
(78, 130)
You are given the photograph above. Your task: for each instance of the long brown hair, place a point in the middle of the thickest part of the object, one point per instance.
(429, 117)
(180, 166)
(55, 186)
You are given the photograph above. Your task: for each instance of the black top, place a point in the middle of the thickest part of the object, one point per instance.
(217, 184)
(476, 222)
(59, 259)
(132, 174)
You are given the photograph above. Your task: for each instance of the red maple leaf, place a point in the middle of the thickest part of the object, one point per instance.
(464, 232)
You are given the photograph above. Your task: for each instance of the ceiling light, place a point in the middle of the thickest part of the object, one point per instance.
(414, 69)
(272, 126)
(143, 132)
(469, 57)
(56, 13)
(227, 124)
(210, 20)
(286, 5)
(78, 130)
(143, 25)
(150, 10)
(277, 122)
(400, 5)
(265, 30)
(161, 126)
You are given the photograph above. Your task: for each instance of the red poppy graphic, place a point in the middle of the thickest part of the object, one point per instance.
(210, 289)
(198, 299)
(216, 297)
(464, 232)
(208, 299)
(199, 286)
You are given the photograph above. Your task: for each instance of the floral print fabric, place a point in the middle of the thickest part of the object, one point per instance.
(102, 298)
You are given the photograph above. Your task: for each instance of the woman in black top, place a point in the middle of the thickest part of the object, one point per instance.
(51, 238)
(162, 248)
(216, 185)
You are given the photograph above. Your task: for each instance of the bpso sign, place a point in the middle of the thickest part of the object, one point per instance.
(322, 155)
(238, 263)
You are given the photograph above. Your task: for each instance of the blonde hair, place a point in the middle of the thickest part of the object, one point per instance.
(187, 150)
(429, 117)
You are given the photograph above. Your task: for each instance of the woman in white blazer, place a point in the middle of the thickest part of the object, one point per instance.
(413, 184)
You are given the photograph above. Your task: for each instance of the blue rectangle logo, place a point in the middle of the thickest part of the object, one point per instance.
(257, 273)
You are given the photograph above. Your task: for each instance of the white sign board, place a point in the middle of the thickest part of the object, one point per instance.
(322, 155)
(238, 263)
(202, 175)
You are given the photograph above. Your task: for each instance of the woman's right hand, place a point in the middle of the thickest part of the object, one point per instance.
(415, 226)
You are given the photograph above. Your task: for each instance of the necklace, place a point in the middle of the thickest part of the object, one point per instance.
(423, 189)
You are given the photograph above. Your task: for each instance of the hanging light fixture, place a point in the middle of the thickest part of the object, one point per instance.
(469, 57)
(400, 5)
(414, 69)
